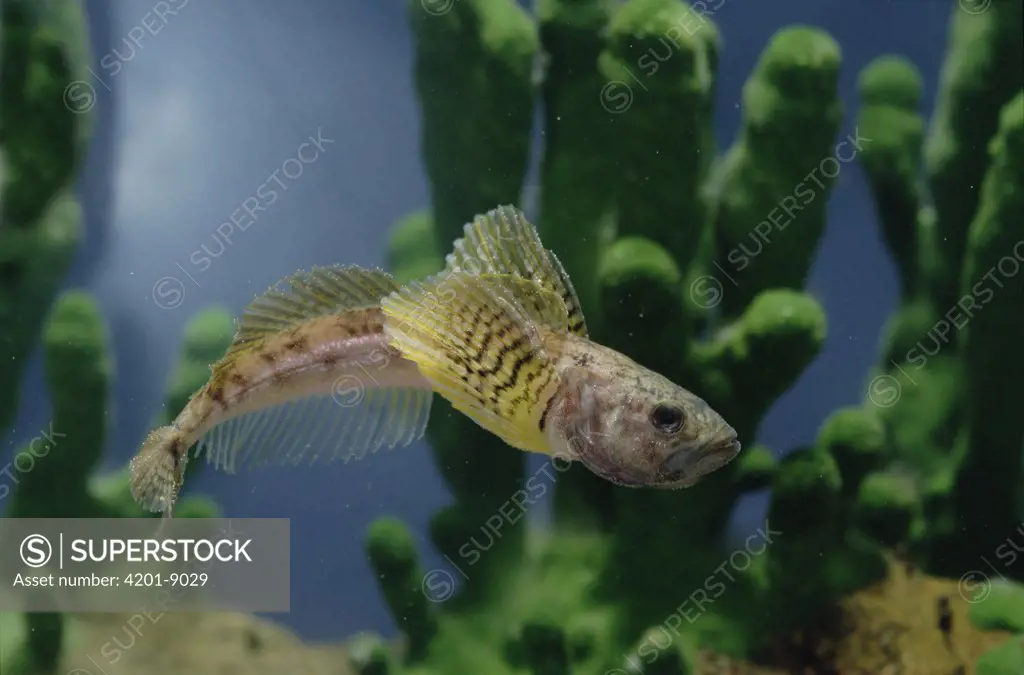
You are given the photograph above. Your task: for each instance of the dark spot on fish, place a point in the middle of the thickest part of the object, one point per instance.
(173, 448)
(238, 379)
(467, 369)
(297, 343)
(268, 356)
(502, 353)
(538, 391)
(344, 325)
(584, 360)
(216, 395)
(467, 333)
(524, 397)
(489, 336)
(544, 415)
(253, 641)
(513, 377)
(328, 360)
(945, 617)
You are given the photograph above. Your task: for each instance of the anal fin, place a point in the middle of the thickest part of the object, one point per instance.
(319, 429)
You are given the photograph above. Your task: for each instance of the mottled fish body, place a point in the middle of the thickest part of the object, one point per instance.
(310, 375)
(499, 334)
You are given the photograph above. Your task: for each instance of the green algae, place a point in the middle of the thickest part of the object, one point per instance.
(41, 148)
(1001, 608)
(951, 362)
(950, 357)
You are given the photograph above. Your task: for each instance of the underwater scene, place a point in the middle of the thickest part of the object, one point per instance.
(567, 337)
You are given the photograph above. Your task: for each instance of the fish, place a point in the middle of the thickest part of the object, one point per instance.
(308, 376)
(499, 333)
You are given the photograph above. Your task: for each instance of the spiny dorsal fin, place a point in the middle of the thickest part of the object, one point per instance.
(307, 295)
(502, 241)
(476, 339)
(531, 303)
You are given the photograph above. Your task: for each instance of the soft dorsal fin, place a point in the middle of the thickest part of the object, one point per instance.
(477, 340)
(502, 241)
(307, 295)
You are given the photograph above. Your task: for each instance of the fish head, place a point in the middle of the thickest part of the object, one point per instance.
(636, 428)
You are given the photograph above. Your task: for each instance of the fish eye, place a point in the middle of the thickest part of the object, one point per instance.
(667, 418)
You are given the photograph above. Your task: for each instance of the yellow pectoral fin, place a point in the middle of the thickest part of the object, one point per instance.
(479, 341)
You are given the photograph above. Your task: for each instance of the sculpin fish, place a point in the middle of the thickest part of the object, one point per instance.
(499, 333)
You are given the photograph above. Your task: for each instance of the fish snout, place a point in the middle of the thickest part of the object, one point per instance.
(701, 461)
(718, 453)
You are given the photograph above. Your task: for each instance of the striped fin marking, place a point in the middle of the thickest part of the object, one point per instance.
(502, 241)
(478, 339)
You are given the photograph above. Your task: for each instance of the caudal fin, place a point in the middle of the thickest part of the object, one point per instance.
(156, 470)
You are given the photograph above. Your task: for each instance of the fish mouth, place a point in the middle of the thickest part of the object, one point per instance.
(716, 456)
(687, 466)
